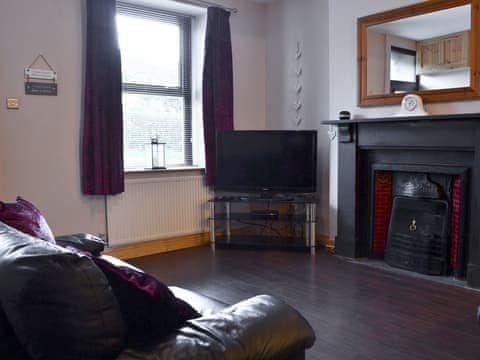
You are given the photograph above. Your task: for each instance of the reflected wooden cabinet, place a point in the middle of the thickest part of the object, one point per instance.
(455, 50)
(446, 52)
(428, 56)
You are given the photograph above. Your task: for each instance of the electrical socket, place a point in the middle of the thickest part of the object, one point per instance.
(13, 103)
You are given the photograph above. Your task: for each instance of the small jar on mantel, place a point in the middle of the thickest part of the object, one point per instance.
(344, 115)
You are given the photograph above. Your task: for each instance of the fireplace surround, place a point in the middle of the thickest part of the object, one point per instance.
(441, 144)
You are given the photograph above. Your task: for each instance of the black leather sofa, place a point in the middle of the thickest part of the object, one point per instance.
(56, 304)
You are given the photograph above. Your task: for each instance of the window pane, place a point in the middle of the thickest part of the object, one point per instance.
(147, 116)
(150, 51)
(402, 66)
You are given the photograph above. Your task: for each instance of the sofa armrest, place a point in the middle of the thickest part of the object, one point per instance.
(261, 327)
(83, 242)
(204, 305)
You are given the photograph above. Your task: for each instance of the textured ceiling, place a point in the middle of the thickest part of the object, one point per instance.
(430, 25)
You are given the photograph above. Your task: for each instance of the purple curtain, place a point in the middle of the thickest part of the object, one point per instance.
(102, 148)
(217, 84)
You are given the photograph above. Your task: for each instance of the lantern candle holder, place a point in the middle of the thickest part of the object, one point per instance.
(158, 154)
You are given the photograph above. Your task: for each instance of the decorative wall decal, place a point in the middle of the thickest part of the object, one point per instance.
(297, 103)
(332, 133)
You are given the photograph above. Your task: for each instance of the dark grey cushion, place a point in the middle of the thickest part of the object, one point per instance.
(83, 241)
(59, 304)
(10, 347)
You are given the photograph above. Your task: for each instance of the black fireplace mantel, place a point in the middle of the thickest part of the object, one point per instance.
(397, 119)
(450, 141)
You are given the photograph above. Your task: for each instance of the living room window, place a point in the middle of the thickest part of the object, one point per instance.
(155, 48)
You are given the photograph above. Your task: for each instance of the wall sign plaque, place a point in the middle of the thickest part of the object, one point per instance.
(41, 74)
(46, 79)
(37, 88)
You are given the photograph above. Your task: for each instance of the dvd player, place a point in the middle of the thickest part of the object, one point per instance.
(264, 214)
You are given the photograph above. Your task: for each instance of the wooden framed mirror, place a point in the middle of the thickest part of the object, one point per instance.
(429, 48)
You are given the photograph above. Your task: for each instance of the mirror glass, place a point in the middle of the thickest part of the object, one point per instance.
(419, 53)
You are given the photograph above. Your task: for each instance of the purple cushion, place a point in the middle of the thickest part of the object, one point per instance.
(149, 307)
(25, 217)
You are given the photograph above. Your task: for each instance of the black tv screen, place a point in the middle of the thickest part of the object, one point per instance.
(266, 161)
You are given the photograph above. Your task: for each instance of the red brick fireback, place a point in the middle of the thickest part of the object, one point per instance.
(455, 219)
(382, 210)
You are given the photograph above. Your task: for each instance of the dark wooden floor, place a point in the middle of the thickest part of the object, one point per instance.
(357, 312)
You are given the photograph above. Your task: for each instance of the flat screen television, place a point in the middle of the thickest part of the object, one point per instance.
(266, 161)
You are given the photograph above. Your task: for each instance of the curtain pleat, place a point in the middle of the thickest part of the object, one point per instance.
(217, 85)
(102, 145)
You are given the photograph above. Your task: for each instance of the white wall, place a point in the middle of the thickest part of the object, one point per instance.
(249, 67)
(40, 143)
(378, 66)
(377, 60)
(446, 79)
(306, 22)
(343, 15)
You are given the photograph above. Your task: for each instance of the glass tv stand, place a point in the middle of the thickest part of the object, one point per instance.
(253, 222)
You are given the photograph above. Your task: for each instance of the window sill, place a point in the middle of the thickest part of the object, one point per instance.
(186, 170)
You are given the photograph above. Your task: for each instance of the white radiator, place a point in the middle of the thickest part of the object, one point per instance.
(152, 209)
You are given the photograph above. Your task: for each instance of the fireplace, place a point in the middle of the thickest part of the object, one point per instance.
(418, 219)
(418, 237)
(441, 154)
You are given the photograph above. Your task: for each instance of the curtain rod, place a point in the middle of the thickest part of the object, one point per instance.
(205, 3)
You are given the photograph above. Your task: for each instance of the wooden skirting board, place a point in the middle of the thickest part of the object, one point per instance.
(326, 241)
(158, 246)
(177, 243)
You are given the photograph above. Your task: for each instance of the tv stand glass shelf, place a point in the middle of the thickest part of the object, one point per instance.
(255, 222)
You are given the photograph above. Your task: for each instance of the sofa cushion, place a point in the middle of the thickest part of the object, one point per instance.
(149, 308)
(24, 216)
(59, 303)
(10, 347)
(84, 242)
(202, 304)
(262, 327)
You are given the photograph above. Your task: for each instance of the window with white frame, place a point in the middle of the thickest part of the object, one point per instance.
(155, 49)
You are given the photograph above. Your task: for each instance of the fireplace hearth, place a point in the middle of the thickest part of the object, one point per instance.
(408, 164)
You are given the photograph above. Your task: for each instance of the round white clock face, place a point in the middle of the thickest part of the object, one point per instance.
(410, 103)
